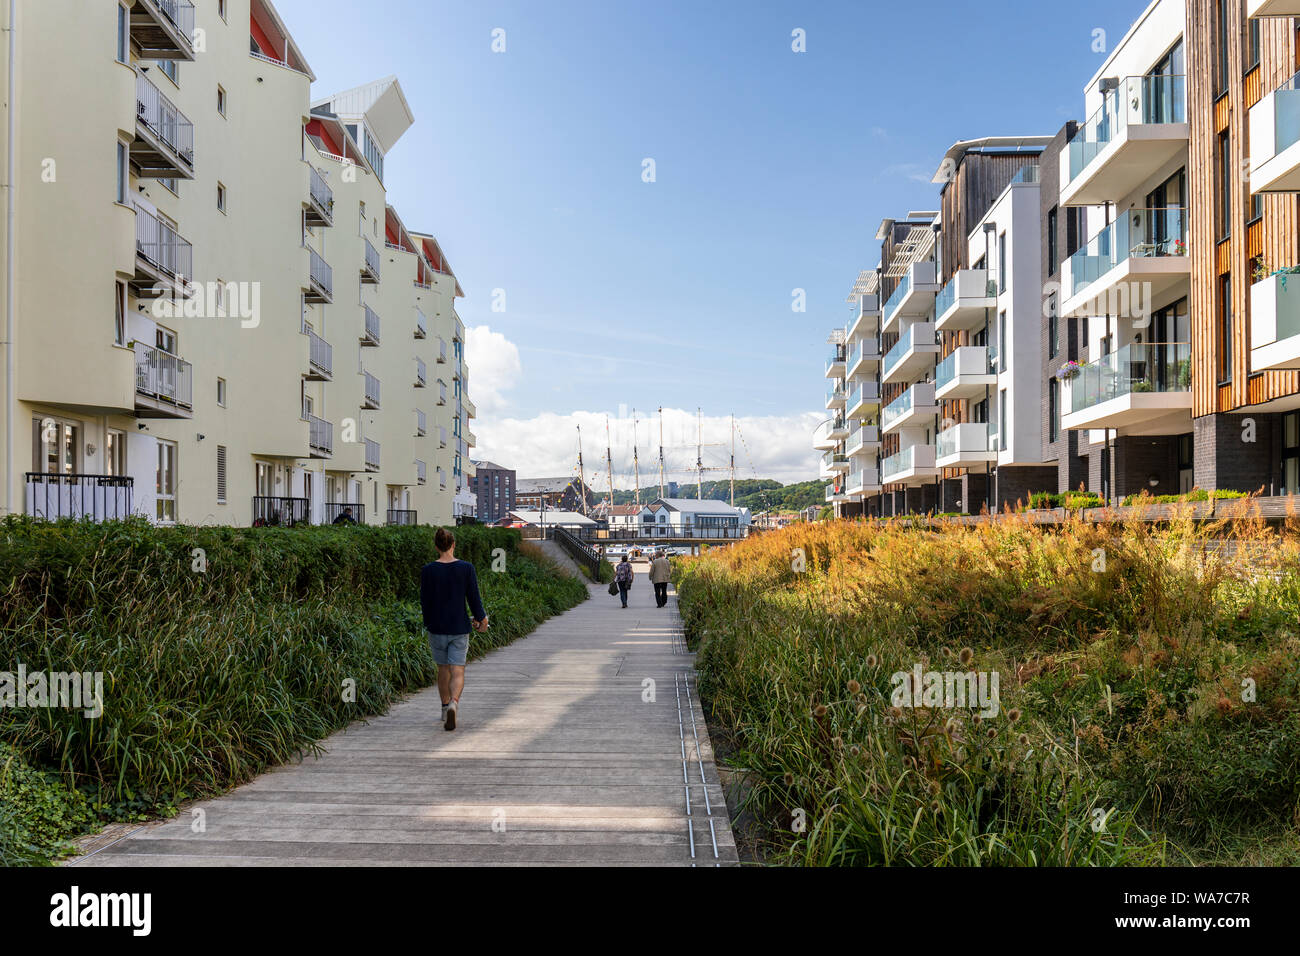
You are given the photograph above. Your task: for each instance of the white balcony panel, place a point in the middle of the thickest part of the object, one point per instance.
(1275, 323)
(914, 295)
(915, 353)
(1275, 140)
(963, 445)
(867, 320)
(965, 301)
(965, 372)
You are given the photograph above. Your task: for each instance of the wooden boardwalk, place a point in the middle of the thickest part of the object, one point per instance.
(558, 761)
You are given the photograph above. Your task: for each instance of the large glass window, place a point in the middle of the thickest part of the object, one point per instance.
(1291, 453)
(165, 483)
(1053, 409)
(1053, 252)
(1225, 329)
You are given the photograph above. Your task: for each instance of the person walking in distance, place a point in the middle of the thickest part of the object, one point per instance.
(623, 578)
(446, 585)
(661, 572)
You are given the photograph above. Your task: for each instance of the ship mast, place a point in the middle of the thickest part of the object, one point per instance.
(661, 451)
(733, 461)
(636, 464)
(699, 453)
(609, 465)
(582, 474)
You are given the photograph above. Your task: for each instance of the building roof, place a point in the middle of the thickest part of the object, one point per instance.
(552, 517)
(626, 509)
(538, 486)
(490, 465)
(696, 506)
(381, 102)
(1030, 145)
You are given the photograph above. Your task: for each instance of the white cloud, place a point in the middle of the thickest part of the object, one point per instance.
(494, 367)
(546, 445)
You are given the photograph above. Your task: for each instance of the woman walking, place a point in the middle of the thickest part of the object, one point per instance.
(445, 586)
(623, 578)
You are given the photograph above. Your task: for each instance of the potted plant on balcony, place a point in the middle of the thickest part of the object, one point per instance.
(1184, 373)
(1070, 370)
(1179, 247)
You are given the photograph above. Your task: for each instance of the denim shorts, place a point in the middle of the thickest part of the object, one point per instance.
(448, 648)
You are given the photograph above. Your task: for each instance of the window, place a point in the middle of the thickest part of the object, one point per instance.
(123, 33)
(171, 185)
(221, 392)
(221, 474)
(1256, 207)
(1053, 252)
(1225, 186)
(1221, 46)
(1291, 453)
(1002, 419)
(165, 483)
(221, 197)
(1225, 328)
(1002, 262)
(1252, 48)
(221, 100)
(119, 306)
(1002, 341)
(361, 223)
(123, 168)
(115, 452)
(221, 9)
(169, 69)
(1053, 410)
(56, 446)
(1053, 327)
(165, 340)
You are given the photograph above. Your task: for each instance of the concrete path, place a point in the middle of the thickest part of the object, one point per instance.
(558, 761)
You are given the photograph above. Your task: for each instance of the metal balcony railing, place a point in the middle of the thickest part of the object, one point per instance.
(372, 391)
(344, 512)
(162, 246)
(164, 120)
(421, 324)
(420, 471)
(421, 373)
(401, 517)
(272, 510)
(372, 454)
(421, 423)
(321, 194)
(83, 497)
(179, 14)
(442, 436)
(320, 273)
(371, 336)
(1145, 367)
(163, 376)
(320, 353)
(370, 271)
(321, 436)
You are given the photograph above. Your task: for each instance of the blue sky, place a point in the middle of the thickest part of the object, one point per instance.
(773, 171)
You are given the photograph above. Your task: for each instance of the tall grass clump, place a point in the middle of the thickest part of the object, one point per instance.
(1149, 705)
(225, 651)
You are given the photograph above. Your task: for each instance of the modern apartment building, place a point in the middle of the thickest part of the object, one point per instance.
(253, 335)
(494, 489)
(1113, 309)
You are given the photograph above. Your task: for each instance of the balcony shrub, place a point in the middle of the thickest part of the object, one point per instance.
(1069, 370)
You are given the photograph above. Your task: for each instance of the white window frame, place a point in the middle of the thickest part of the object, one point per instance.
(123, 34)
(221, 392)
(164, 497)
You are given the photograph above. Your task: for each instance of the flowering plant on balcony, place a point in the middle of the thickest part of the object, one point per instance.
(1069, 370)
(1180, 247)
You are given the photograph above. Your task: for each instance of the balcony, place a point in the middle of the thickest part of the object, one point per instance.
(864, 439)
(1143, 388)
(370, 327)
(1275, 140)
(370, 265)
(320, 279)
(914, 295)
(864, 481)
(163, 147)
(345, 512)
(421, 472)
(442, 436)
(164, 384)
(421, 325)
(835, 365)
(371, 399)
(1275, 323)
(966, 372)
(279, 511)
(320, 358)
(442, 352)
(965, 301)
(911, 466)
(965, 445)
(862, 398)
(372, 455)
(864, 358)
(1141, 126)
(471, 440)
(867, 320)
(471, 410)
(421, 373)
(421, 423)
(1137, 260)
(1272, 8)
(442, 392)
(822, 440)
(915, 408)
(400, 517)
(835, 397)
(81, 497)
(913, 355)
(834, 463)
(163, 28)
(836, 492)
(318, 207)
(164, 262)
(320, 439)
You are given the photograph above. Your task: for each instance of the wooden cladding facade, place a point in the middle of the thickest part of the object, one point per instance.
(1230, 250)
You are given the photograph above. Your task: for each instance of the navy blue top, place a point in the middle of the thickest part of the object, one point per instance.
(445, 586)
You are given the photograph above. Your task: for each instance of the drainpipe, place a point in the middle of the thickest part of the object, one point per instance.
(10, 390)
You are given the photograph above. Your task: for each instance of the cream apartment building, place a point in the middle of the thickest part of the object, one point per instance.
(214, 313)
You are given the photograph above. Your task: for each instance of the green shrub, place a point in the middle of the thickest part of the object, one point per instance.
(1072, 500)
(39, 815)
(212, 677)
(1197, 494)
